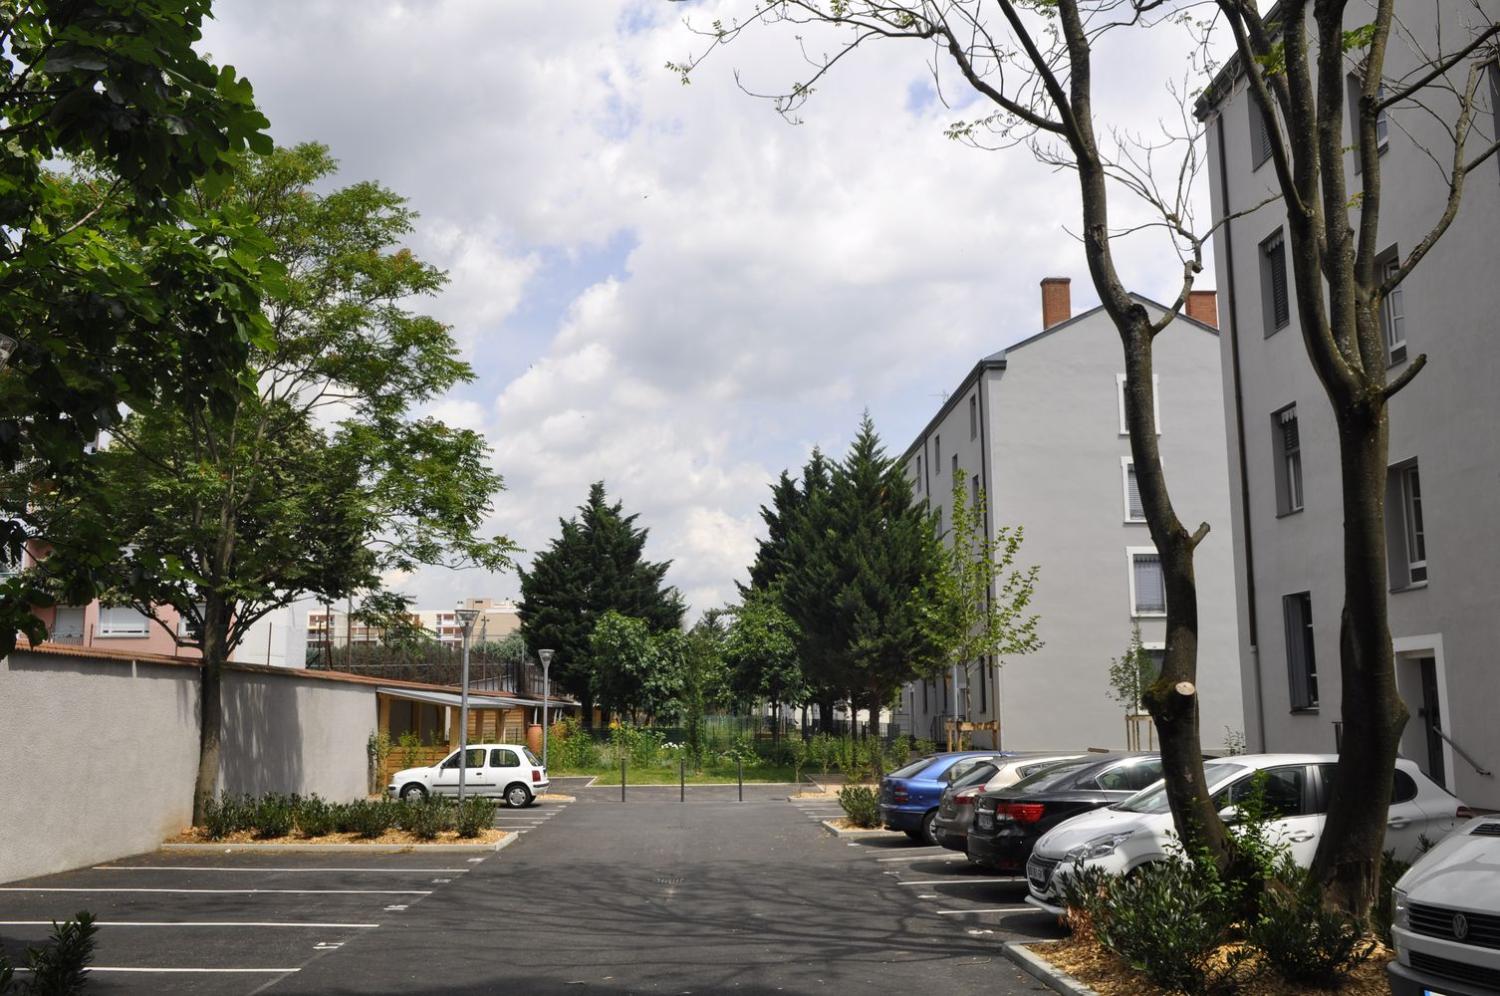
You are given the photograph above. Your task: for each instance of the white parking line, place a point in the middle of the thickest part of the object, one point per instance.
(212, 971)
(927, 857)
(993, 909)
(243, 892)
(198, 923)
(951, 881)
(224, 868)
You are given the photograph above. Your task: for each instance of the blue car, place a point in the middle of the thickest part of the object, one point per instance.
(909, 796)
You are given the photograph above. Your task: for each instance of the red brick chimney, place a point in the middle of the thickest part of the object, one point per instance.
(1203, 305)
(1057, 300)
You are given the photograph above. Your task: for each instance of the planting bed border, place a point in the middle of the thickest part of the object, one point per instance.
(1043, 970)
(344, 848)
(838, 832)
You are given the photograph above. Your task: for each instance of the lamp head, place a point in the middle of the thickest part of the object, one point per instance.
(546, 657)
(466, 616)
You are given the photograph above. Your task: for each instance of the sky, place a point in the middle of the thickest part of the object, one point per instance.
(670, 288)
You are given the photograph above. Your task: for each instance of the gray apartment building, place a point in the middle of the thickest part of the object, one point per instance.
(1444, 476)
(1039, 427)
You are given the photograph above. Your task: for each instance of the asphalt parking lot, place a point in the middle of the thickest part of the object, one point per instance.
(237, 921)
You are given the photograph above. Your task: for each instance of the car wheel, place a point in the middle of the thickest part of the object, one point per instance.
(518, 796)
(413, 792)
(929, 834)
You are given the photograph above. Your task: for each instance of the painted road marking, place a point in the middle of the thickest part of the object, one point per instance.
(213, 971)
(951, 881)
(199, 923)
(226, 868)
(395, 908)
(993, 909)
(927, 857)
(244, 892)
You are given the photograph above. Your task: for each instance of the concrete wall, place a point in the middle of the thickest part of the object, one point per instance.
(1051, 462)
(98, 756)
(1445, 420)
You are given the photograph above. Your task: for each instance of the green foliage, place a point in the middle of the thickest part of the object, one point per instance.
(1382, 914)
(369, 818)
(1304, 942)
(228, 814)
(595, 565)
(571, 748)
(705, 679)
(1131, 674)
(59, 968)
(634, 671)
(411, 749)
(760, 651)
(315, 817)
(274, 816)
(427, 818)
(981, 612)
(860, 805)
(474, 816)
(1168, 919)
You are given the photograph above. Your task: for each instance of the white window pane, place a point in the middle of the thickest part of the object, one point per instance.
(1135, 510)
(1150, 586)
(122, 620)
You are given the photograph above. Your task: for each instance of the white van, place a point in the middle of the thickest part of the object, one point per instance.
(1446, 923)
(504, 771)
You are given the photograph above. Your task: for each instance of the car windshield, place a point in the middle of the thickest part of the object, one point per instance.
(978, 775)
(1051, 776)
(911, 769)
(1154, 798)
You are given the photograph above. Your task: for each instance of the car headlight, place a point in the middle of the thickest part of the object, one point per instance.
(1400, 910)
(1099, 847)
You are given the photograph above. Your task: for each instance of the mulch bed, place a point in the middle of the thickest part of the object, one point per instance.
(1095, 966)
(197, 835)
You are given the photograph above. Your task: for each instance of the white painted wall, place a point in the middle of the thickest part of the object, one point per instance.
(98, 755)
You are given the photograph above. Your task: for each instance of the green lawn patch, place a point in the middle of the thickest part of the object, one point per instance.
(659, 775)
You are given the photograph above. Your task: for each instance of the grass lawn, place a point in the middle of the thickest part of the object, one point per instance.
(659, 775)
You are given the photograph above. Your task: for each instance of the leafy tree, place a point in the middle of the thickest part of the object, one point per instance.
(760, 650)
(114, 289)
(635, 672)
(982, 609)
(595, 565)
(705, 678)
(319, 481)
(1131, 674)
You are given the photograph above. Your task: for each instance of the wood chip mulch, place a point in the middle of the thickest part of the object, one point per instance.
(196, 835)
(1096, 967)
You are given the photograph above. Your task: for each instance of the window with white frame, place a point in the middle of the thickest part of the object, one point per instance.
(1148, 586)
(1392, 309)
(1135, 510)
(1286, 438)
(187, 627)
(1155, 402)
(919, 472)
(1411, 519)
(122, 620)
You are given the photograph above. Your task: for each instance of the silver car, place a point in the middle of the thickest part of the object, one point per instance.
(956, 808)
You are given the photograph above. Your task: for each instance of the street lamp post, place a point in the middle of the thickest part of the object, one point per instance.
(546, 656)
(466, 616)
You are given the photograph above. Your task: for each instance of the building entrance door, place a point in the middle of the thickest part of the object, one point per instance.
(1430, 715)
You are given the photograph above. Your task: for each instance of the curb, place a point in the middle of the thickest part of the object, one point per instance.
(498, 845)
(1041, 969)
(837, 832)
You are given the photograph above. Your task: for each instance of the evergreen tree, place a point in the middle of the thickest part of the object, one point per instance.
(595, 565)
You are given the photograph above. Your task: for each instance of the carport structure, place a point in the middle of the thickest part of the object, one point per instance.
(432, 714)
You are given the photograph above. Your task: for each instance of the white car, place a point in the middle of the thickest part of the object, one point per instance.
(1446, 923)
(506, 771)
(1135, 832)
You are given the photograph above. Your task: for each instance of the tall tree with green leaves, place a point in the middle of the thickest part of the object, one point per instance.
(595, 565)
(705, 678)
(983, 609)
(760, 650)
(113, 288)
(320, 480)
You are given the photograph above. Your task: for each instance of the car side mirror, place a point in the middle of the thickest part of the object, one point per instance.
(1230, 815)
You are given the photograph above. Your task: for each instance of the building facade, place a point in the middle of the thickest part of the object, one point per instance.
(497, 619)
(1039, 428)
(1443, 535)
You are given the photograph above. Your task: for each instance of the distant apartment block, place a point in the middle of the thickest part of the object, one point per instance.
(497, 619)
(1039, 428)
(1443, 534)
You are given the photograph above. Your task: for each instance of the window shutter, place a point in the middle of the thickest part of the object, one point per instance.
(1134, 508)
(1260, 133)
(1280, 303)
(1150, 586)
(1290, 437)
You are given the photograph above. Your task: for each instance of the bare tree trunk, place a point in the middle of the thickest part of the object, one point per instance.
(1349, 852)
(211, 704)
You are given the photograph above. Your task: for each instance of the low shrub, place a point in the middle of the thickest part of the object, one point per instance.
(60, 967)
(1169, 919)
(1381, 915)
(227, 814)
(315, 817)
(860, 805)
(274, 816)
(1301, 940)
(427, 818)
(370, 818)
(475, 816)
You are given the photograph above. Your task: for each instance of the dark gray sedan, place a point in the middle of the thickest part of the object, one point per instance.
(956, 808)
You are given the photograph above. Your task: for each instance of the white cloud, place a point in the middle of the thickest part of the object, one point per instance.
(776, 280)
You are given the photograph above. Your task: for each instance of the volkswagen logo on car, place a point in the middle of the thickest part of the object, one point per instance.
(1460, 926)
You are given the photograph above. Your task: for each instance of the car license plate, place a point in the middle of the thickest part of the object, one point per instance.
(1432, 992)
(985, 820)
